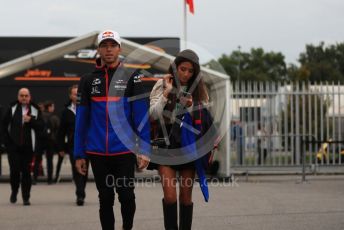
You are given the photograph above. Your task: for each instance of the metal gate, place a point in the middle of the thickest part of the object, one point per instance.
(274, 123)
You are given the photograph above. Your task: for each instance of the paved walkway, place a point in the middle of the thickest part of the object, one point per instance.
(261, 203)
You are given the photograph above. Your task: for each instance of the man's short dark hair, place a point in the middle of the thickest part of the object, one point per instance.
(71, 88)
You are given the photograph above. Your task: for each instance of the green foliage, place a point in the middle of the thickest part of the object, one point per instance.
(254, 66)
(317, 63)
(323, 63)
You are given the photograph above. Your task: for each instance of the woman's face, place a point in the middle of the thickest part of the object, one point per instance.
(185, 71)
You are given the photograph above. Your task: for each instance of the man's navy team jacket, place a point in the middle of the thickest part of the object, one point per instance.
(112, 114)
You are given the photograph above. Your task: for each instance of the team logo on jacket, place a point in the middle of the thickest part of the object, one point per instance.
(137, 78)
(96, 81)
(120, 84)
(95, 90)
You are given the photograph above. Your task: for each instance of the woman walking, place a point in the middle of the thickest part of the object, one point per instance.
(180, 95)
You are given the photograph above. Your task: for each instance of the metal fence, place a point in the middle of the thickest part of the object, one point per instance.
(275, 123)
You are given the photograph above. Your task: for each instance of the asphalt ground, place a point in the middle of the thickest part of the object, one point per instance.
(261, 202)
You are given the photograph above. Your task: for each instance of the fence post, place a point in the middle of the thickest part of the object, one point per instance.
(303, 146)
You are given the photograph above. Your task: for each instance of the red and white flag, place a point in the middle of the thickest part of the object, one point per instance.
(191, 6)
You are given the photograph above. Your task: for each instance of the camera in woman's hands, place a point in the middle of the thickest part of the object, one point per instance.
(187, 94)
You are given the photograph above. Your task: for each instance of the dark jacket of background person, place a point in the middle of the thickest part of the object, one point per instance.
(66, 131)
(66, 144)
(51, 128)
(48, 141)
(17, 134)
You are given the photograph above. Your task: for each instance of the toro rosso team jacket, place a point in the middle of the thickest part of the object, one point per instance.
(111, 115)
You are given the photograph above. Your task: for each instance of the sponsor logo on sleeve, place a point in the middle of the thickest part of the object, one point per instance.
(137, 78)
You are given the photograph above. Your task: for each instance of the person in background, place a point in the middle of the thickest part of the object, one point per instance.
(22, 126)
(41, 106)
(49, 140)
(239, 138)
(66, 145)
(261, 145)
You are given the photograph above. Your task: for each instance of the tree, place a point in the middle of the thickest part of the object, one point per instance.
(254, 66)
(317, 63)
(296, 73)
(322, 63)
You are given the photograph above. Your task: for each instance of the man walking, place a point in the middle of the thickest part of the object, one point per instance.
(112, 161)
(66, 145)
(22, 126)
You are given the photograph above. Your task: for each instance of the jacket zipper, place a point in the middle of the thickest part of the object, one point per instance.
(107, 112)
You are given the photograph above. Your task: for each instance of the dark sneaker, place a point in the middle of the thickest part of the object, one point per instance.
(13, 198)
(26, 202)
(80, 201)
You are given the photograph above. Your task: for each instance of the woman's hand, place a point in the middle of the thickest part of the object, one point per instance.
(168, 85)
(186, 101)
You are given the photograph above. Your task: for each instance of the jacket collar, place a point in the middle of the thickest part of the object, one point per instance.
(99, 65)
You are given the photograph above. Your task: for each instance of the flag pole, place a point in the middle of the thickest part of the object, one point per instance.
(183, 43)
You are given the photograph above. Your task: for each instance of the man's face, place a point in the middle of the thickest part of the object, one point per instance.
(24, 96)
(51, 108)
(73, 95)
(109, 51)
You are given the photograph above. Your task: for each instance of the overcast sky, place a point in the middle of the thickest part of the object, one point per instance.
(218, 26)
